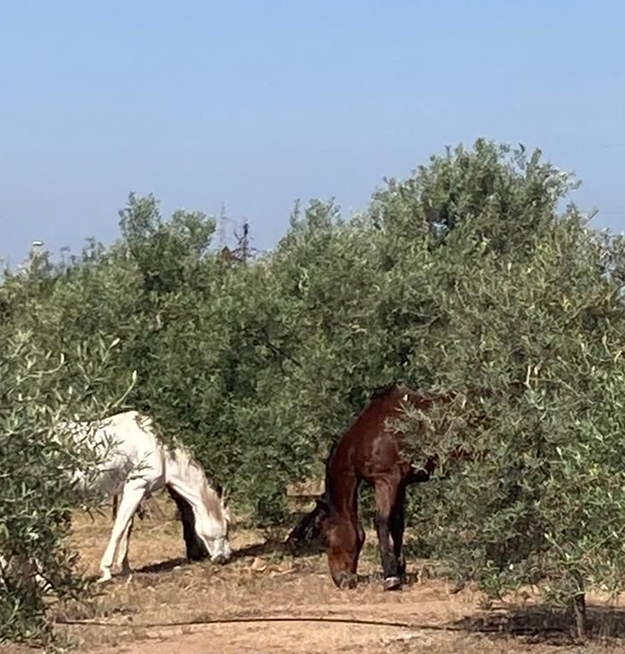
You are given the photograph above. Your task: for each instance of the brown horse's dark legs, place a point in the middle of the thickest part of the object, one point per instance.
(360, 536)
(385, 496)
(397, 530)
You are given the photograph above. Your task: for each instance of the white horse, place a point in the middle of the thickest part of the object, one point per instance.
(136, 464)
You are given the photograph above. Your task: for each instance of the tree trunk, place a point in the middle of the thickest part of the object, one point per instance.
(579, 609)
(578, 605)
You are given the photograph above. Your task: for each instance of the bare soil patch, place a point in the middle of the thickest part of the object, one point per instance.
(268, 602)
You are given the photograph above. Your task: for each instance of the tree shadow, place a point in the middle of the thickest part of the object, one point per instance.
(303, 549)
(271, 546)
(267, 547)
(150, 568)
(547, 625)
(164, 566)
(258, 549)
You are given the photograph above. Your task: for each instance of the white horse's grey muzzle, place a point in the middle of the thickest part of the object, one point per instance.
(221, 552)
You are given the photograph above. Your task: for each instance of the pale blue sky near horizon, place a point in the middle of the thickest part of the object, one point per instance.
(254, 103)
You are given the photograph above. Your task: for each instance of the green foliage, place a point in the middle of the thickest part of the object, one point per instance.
(540, 339)
(38, 479)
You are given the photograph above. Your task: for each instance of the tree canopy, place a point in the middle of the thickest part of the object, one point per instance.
(470, 275)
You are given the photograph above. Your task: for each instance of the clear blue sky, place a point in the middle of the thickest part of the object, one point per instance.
(255, 103)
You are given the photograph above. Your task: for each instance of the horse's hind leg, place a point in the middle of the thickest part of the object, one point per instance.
(131, 498)
(385, 499)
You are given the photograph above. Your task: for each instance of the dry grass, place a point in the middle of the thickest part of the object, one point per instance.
(161, 610)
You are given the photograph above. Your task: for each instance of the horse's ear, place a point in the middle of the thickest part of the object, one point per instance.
(225, 507)
(224, 495)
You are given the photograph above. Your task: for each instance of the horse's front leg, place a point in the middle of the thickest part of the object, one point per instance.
(131, 499)
(122, 551)
(398, 520)
(385, 498)
(196, 550)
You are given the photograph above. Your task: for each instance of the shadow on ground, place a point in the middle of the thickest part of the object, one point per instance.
(546, 625)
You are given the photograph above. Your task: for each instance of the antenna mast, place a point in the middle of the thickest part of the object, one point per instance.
(222, 227)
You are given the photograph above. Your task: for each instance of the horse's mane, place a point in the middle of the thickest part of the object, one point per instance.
(177, 450)
(185, 459)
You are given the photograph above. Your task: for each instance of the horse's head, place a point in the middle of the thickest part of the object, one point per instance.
(219, 547)
(205, 512)
(343, 540)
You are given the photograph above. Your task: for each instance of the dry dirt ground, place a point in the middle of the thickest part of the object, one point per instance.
(268, 602)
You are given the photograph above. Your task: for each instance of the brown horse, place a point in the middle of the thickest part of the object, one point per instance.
(370, 451)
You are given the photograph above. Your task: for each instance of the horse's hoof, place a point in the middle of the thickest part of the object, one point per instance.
(104, 578)
(392, 583)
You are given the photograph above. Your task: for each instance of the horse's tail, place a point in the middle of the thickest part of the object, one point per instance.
(308, 530)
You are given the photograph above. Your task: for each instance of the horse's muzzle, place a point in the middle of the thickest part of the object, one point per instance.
(222, 552)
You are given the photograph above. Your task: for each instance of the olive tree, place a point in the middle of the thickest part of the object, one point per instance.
(39, 477)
